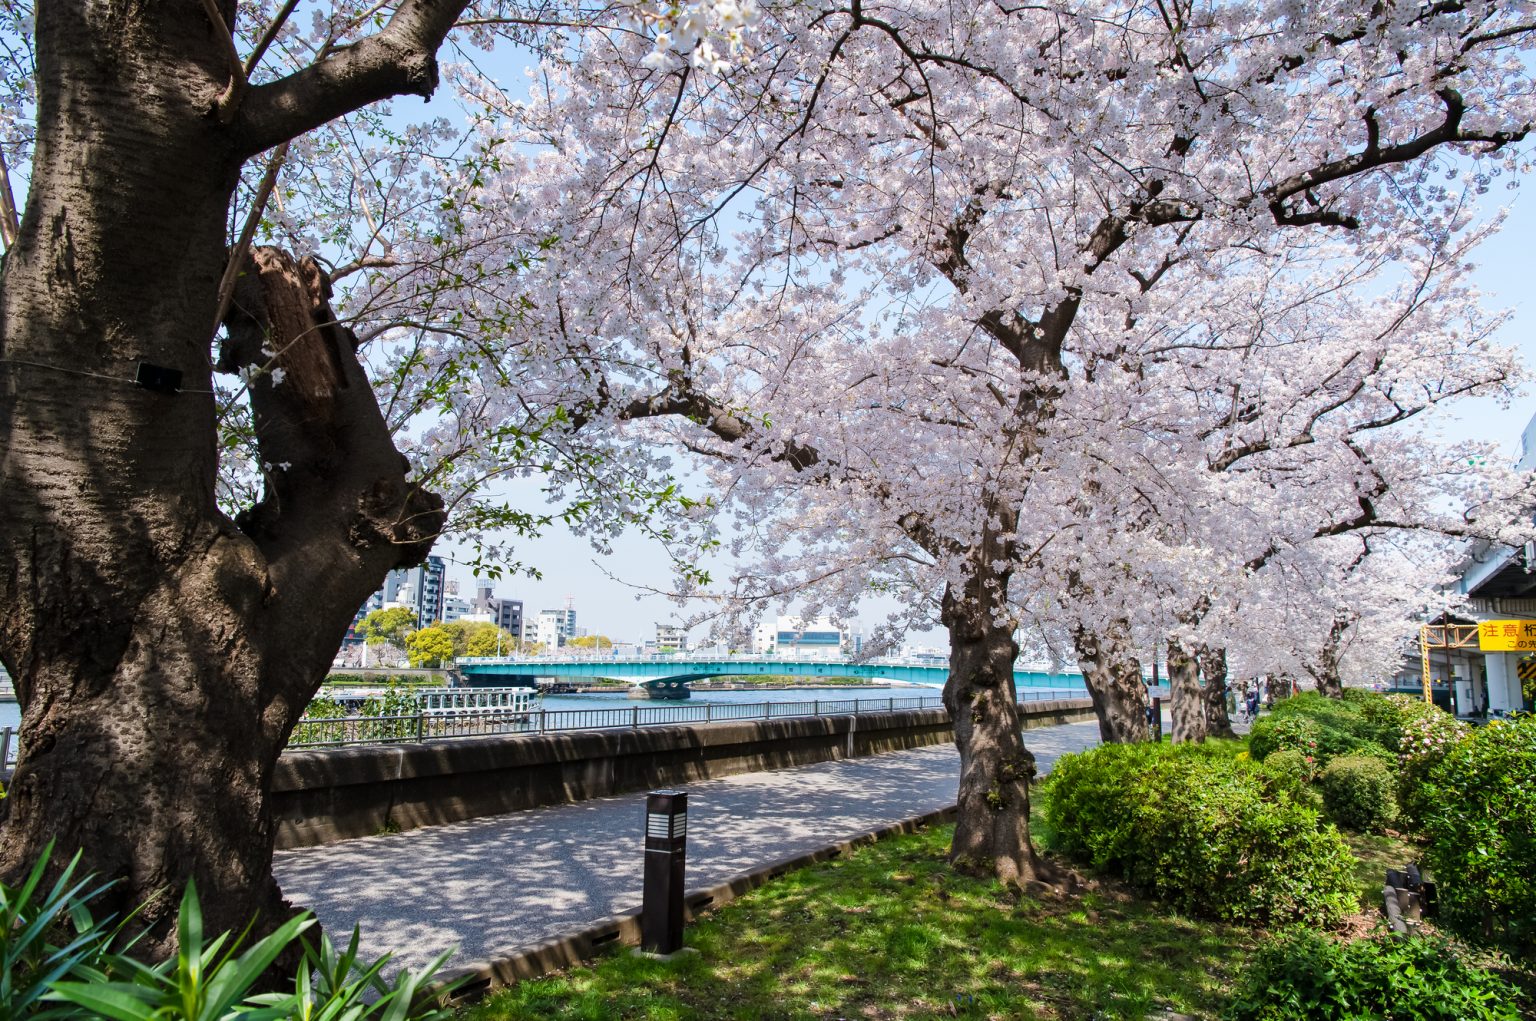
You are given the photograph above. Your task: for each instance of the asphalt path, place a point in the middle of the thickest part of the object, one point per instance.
(491, 886)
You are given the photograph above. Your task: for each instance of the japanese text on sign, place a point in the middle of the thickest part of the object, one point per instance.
(1507, 635)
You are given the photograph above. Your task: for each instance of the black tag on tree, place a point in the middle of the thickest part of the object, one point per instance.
(158, 379)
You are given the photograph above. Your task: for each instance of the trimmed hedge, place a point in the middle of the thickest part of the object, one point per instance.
(1480, 817)
(1278, 732)
(1359, 792)
(1196, 827)
(1361, 723)
(1304, 977)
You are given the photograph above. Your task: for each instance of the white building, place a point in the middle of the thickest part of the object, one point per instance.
(455, 607)
(811, 638)
(551, 628)
(671, 638)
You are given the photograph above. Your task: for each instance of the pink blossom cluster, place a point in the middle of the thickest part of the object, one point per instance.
(1430, 737)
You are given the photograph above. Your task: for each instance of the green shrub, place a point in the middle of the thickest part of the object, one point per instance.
(1288, 733)
(1381, 716)
(1362, 722)
(1480, 818)
(1428, 736)
(1290, 774)
(1194, 826)
(1304, 977)
(1359, 792)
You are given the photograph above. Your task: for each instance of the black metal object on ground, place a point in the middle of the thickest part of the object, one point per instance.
(666, 844)
(1407, 898)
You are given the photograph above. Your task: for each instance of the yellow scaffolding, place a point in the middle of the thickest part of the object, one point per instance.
(1447, 637)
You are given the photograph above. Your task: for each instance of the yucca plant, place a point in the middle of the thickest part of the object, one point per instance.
(60, 962)
(45, 935)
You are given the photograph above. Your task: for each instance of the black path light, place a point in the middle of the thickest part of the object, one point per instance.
(666, 843)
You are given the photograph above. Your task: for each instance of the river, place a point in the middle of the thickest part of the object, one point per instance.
(10, 714)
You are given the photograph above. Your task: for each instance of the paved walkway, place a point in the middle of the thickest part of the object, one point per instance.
(490, 886)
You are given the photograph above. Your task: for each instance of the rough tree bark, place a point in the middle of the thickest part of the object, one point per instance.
(992, 824)
(1112, 674)
(1188, 709)
(161, 651)
(1324, 670)
(1213, 669)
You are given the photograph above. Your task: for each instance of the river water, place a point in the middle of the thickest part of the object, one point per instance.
(10, 715)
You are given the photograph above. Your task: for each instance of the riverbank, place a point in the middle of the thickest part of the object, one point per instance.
(776, 683)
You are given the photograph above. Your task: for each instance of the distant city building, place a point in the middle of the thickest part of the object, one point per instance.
(925, 654)
(791, 636)
(506, 614)
(454, 606)
(422, 589)
(671, 638)
(551, 628)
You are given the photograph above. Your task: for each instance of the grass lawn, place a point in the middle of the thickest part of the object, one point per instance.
(890, 932)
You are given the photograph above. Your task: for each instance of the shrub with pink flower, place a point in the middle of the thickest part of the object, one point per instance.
(1428, 735)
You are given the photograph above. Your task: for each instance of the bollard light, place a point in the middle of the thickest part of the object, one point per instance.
(666, 842)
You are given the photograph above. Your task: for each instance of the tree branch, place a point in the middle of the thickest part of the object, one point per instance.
(1375, 156)
(400, 59)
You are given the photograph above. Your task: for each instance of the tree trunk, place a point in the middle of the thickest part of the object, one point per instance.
(1213, 669)
(1188, 709)
(1112, 674)
(992, 826)
(162, 652)
(1325, 669)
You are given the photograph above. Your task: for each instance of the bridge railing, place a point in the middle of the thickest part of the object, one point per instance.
(354, 730)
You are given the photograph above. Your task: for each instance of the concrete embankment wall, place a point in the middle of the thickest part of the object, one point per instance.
(323, 796)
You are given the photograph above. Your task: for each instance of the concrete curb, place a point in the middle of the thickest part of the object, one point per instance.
(533, 960)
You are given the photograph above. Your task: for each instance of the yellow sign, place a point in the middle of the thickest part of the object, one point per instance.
(1507, 636)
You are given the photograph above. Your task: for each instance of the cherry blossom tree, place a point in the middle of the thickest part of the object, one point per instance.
(1033, 195)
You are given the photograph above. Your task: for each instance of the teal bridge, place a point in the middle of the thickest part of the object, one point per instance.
(668, 676)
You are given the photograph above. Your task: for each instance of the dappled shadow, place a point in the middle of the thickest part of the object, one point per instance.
(492, 885)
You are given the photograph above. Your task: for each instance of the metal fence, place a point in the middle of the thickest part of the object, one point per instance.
(353, 730)
(438, 726)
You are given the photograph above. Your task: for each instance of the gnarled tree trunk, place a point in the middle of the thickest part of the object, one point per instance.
(1188, 710)
(992, 824)
(162, 652)
(1213, 670)
(1325, 668)
(1112, 674)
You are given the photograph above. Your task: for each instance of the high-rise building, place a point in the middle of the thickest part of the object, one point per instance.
(421, 588)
